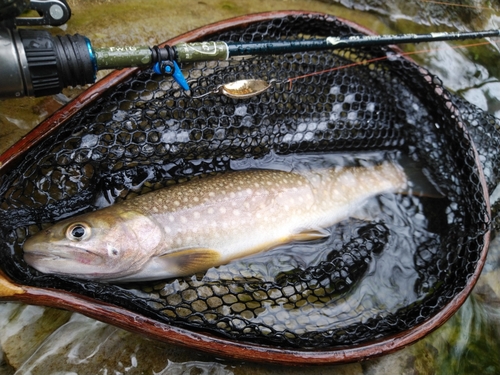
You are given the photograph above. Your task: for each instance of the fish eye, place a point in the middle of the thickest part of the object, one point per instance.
(78, 232)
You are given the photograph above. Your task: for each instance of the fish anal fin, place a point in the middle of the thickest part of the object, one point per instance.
(189, 261)
(310, 235)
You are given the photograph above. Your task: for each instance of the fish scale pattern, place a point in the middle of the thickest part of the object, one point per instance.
(145, 133)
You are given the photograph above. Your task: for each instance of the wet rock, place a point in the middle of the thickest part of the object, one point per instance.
(401, 362)
(24, 328)
(85, 346)
(459, 13)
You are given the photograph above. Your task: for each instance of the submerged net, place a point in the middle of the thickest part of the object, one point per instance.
(146, 133)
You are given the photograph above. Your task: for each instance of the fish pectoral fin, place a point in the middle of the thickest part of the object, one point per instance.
(190, 261)
(310, 235)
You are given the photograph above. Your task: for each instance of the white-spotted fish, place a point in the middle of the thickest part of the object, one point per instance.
(190, 227)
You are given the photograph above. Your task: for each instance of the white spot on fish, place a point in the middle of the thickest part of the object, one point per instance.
(222, 210)
(184, 219)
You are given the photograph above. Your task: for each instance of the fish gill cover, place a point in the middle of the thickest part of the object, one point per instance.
(146, 133)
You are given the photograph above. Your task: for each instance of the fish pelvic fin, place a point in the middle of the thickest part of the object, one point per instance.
(310, 235)
(189, 261)
(180, 263)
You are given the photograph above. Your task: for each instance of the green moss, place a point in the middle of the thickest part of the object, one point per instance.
(228, 5)
(464, 344)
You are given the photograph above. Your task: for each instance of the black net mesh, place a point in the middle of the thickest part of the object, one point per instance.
(367, 280)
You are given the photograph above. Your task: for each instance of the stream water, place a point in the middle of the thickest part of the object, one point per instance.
(37, 340)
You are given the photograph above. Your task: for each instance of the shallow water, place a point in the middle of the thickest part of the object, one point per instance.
(63, 342)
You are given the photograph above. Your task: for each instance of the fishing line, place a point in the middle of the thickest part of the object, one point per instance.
(365, 62)
(247, 88)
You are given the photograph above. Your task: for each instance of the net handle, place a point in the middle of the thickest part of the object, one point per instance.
(9, 291)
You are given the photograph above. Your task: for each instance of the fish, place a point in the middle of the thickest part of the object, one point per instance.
(206, 222)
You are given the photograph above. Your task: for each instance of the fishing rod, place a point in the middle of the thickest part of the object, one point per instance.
(165, 60)
(35, 63)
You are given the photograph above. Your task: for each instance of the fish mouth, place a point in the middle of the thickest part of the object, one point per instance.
(83, 256)
(52, 258)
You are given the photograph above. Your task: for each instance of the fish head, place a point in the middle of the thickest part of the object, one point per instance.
(100, 245)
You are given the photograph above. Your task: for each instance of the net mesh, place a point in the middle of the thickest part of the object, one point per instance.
(145, 134)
